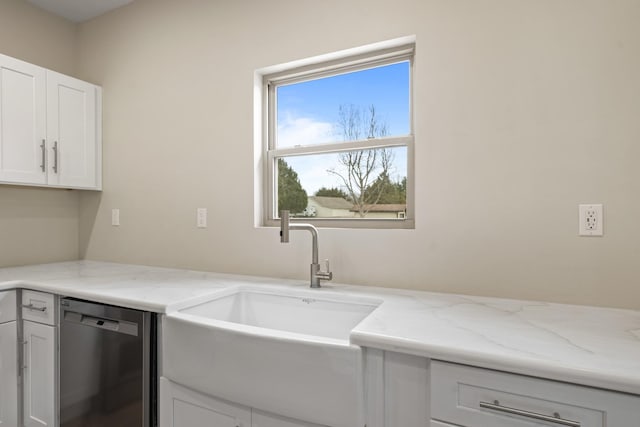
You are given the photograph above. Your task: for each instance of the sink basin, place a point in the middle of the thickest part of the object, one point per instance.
(302, 314)
(286, 353)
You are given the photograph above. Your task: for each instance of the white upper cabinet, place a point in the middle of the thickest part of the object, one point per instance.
(22, 122)
(71, 131)
(50, 128)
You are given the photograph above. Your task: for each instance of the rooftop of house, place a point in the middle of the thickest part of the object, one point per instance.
(332, 202)
(383, 207)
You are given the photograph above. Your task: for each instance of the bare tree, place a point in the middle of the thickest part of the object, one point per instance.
(354, 123)
(360, 169)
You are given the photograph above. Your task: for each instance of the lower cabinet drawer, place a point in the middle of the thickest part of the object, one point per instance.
(39, 307)
(476, 397)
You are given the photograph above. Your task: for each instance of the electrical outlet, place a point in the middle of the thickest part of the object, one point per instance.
(115, 217)
(201, 217)
(590, 220)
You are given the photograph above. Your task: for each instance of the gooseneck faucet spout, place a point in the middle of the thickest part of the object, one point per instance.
(316, 273)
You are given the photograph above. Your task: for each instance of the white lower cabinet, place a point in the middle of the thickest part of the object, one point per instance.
(8, 360)
(475, 397)
(8, 375)
(396, 395)
(396, 389)
(182, 407)
(39, 374)
(262, 419)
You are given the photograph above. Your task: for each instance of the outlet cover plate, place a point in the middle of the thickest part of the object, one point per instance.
(201, 217)
(590, 220)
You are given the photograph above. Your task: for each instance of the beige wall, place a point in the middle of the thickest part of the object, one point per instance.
(37, 225)
(523, 110)
(36, 36)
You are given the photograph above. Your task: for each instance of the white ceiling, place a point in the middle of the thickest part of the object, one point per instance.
(79, 10)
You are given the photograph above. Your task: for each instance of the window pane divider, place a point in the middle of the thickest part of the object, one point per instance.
(336, 147)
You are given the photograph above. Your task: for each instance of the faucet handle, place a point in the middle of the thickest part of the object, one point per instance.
(327, 274)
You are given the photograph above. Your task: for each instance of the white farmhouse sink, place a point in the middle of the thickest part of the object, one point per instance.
(281, 352)
(307, 314)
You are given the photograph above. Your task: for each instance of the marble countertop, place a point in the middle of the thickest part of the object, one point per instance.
(593, 346)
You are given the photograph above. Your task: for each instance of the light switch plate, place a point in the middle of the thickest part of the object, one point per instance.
(115, 217)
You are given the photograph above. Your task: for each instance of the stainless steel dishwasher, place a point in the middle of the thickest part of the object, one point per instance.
(107, 366)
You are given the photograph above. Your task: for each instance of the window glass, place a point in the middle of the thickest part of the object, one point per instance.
(368, 183)
(340, 141)
(369, 103)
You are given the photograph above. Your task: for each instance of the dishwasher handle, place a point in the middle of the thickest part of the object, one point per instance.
(119, 326)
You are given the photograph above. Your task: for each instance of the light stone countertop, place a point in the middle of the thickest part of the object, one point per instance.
(593, 346)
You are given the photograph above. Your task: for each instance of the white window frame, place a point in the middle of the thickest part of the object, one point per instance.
(379, 54)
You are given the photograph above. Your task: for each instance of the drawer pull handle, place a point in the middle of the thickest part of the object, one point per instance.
(496, 406)
(34, 308)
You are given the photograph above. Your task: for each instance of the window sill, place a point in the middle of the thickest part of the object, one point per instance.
(356, 223)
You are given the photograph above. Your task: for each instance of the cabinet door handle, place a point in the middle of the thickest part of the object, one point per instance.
(496, 406)
(44, 155)
(34, 308)
(24, 354)
(55, 157)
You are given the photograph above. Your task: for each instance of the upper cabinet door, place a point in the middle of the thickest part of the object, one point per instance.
(72, 132)
(22, 122)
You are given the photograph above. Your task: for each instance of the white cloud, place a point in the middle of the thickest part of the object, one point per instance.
(312, 171)
(293, 131)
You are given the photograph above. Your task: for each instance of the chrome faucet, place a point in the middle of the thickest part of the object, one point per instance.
(316, 273)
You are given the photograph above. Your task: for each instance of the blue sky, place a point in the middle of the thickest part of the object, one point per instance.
(308, 111)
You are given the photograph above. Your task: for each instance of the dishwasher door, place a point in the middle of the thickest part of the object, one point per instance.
(105, 365)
